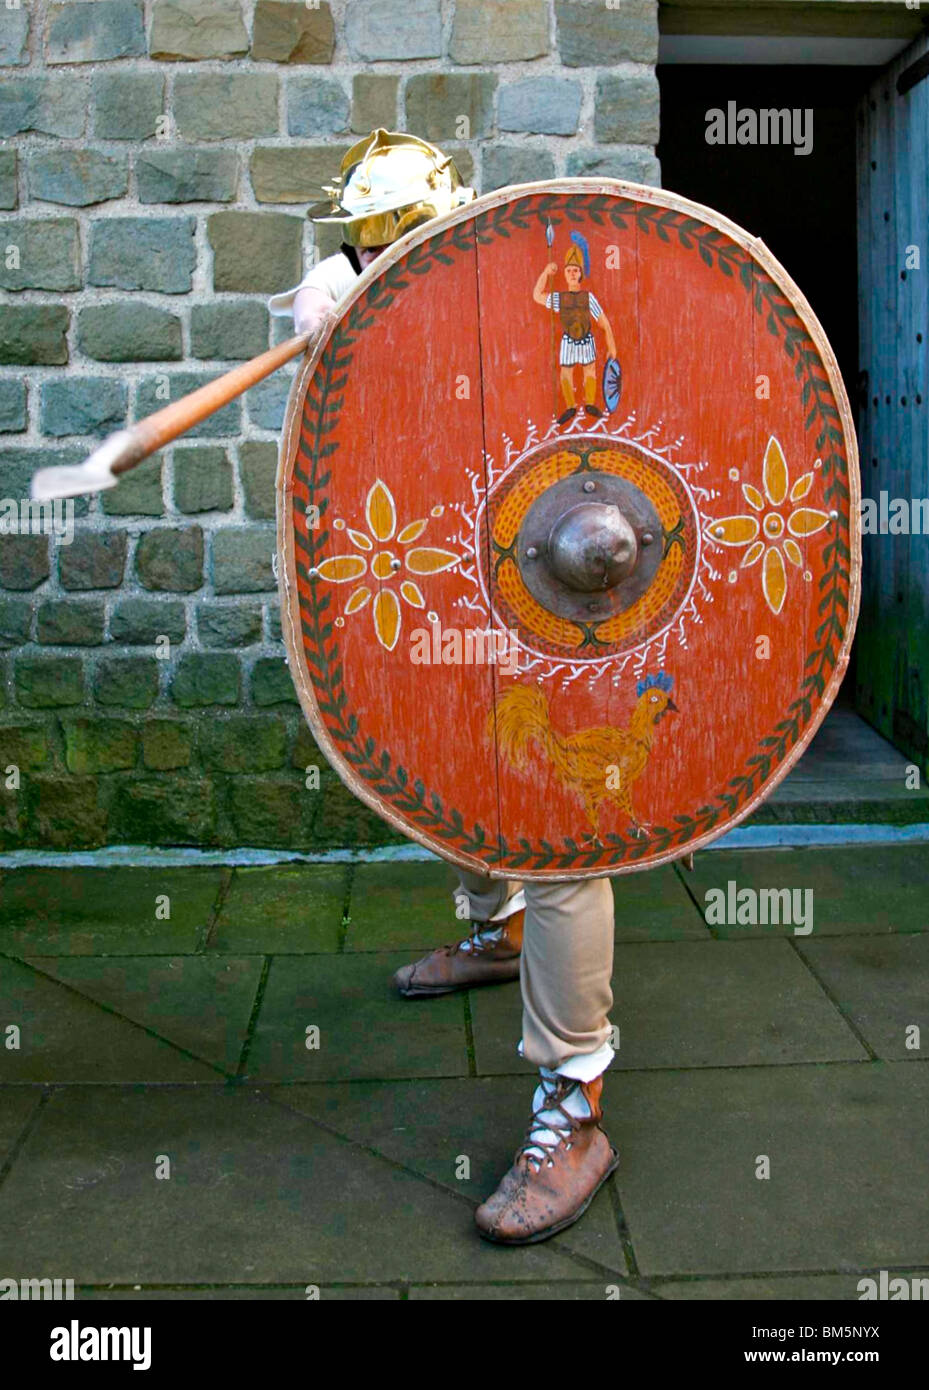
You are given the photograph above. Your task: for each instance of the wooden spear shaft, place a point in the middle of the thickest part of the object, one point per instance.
(128, 447)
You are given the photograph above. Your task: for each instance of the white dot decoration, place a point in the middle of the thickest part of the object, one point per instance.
(338, 524)
(340, 622)
(733, 576)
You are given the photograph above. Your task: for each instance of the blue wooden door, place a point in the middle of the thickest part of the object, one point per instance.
(892, 680)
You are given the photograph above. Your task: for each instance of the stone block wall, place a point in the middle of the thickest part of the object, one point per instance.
(156, 161)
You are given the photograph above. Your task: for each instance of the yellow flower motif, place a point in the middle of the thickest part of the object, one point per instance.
(766, 531)
(381, 519)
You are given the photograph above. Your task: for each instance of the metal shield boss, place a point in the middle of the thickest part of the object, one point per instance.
(568, 530)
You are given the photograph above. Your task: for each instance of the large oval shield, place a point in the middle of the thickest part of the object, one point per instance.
(568, 525)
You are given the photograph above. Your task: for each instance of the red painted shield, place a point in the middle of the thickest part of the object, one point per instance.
(544, 637)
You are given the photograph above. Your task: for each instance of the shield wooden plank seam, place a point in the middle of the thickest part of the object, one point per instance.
(568, 524)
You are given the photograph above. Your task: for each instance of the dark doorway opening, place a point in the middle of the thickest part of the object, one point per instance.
(802, 206)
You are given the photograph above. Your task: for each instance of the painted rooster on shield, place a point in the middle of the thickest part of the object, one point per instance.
(599, 764)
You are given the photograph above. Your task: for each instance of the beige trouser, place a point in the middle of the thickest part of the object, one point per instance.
(566, 963)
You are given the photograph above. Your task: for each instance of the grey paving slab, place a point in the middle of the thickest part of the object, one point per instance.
(849, 1152)
(693, 1004)
(285, 908)
(66, 1038)
(865, 888)
(567, 1292)
(816, 779)
(395, 907)
(200, 1003)
(88, 912)
(443, 1128)
(846, 740)
(855, 800)
(366, 1030)
(497, 1026)
(257, 1194)
(295, 1293)
(849, 773)
(409, 906)
(655, 906)
(16, 1106)
(804, 1288)
(882, 985)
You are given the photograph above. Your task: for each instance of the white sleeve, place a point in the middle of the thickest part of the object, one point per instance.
(335, 276)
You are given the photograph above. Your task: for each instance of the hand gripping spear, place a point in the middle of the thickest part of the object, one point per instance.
(126, 448)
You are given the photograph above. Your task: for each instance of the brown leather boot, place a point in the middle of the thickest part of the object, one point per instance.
(565, 1159)
(479, 960)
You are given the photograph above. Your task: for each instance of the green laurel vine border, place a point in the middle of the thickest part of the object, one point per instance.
(322, 408)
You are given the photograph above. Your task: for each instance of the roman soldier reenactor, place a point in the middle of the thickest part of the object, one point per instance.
(556, 938)
(600, 558)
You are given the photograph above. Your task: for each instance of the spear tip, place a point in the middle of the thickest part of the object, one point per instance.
(75, 480)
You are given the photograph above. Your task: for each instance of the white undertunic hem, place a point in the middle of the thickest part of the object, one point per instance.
(586, 1066)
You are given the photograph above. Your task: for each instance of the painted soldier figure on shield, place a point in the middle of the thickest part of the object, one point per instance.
(577, 311)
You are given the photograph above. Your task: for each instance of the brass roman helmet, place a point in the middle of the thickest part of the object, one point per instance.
(389, 183)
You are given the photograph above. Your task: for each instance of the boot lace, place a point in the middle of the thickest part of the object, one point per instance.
(483, 940)
(539, 1128)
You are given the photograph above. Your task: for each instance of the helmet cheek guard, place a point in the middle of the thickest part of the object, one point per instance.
(388, 227)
